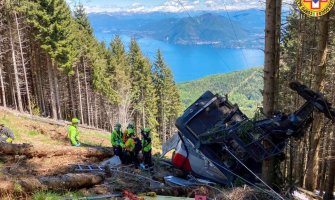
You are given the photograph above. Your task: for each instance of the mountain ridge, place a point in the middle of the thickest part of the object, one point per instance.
(207, 28)
(228, 30)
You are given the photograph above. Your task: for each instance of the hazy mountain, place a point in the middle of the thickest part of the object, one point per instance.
(204, 29)
(243, 29)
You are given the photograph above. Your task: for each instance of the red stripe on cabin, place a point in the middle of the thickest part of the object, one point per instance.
(178, 160)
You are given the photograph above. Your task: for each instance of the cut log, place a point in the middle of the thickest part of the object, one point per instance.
(55, 183)
(50, 151)
(309, 193)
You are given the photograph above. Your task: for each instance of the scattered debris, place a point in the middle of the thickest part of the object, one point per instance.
(130, 196)
(247, 193)
(303, 194)
(112, 162)
(175, 181)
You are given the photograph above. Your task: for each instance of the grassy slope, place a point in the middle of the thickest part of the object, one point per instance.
(243, 87)
(36, 132)
(30, 131)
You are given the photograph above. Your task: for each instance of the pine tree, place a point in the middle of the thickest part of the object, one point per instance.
(168, 98)
(318, 85)
(121, 79)
(143, 92)
(82, 19)
(271, 65)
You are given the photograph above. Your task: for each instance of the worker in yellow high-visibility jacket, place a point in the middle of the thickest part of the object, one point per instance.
(117, 141)
(74, 133)
(130, 150)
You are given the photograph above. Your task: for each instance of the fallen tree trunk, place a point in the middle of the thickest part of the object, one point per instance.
(309, 193)
(50, 151)
(56, 183)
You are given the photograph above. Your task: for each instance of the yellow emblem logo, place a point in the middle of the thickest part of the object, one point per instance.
(315, 8)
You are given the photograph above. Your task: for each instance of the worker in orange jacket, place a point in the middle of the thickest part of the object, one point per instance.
(129, 131)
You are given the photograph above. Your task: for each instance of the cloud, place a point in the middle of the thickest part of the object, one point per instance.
(232, 4)
(196, 2)
(136, 4)
(209, 3)
(99, 9)
(174, 6)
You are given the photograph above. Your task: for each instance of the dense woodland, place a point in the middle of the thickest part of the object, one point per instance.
(303, 50)
(242, 87)
(51, 65)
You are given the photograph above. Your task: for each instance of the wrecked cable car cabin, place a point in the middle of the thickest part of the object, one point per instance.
(217, 142)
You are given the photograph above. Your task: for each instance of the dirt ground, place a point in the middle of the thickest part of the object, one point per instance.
(20, 166)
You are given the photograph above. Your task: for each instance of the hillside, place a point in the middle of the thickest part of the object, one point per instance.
(243, 87)
(33, 129)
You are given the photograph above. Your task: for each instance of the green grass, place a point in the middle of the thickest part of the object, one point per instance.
(47, 195)
(33, 133)
(18, 188)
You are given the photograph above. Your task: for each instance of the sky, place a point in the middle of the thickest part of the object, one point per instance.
(144, 6)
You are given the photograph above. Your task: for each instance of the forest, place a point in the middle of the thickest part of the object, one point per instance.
(302, 50)
(51, 65)
(242, 87)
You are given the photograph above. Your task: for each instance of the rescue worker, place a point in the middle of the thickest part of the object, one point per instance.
(130, 150)
(6, 135)
(117, 140)
(130, 130)
(74, 133)
(146, 147)
(137, 149)
(129, 147)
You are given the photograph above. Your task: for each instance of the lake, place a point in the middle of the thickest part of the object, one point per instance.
(193, 62)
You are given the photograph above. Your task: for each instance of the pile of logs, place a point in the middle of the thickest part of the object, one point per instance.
(56, 183)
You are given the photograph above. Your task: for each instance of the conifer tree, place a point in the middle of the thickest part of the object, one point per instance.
(168, 98)
(143, 91)
(82, 19)
(121, 79)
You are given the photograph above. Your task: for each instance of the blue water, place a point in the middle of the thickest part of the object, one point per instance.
(194, 62)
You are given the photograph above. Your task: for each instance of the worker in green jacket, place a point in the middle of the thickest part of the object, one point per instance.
(74, 133)
(117, 140)
(146, 147)
(130, 145)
